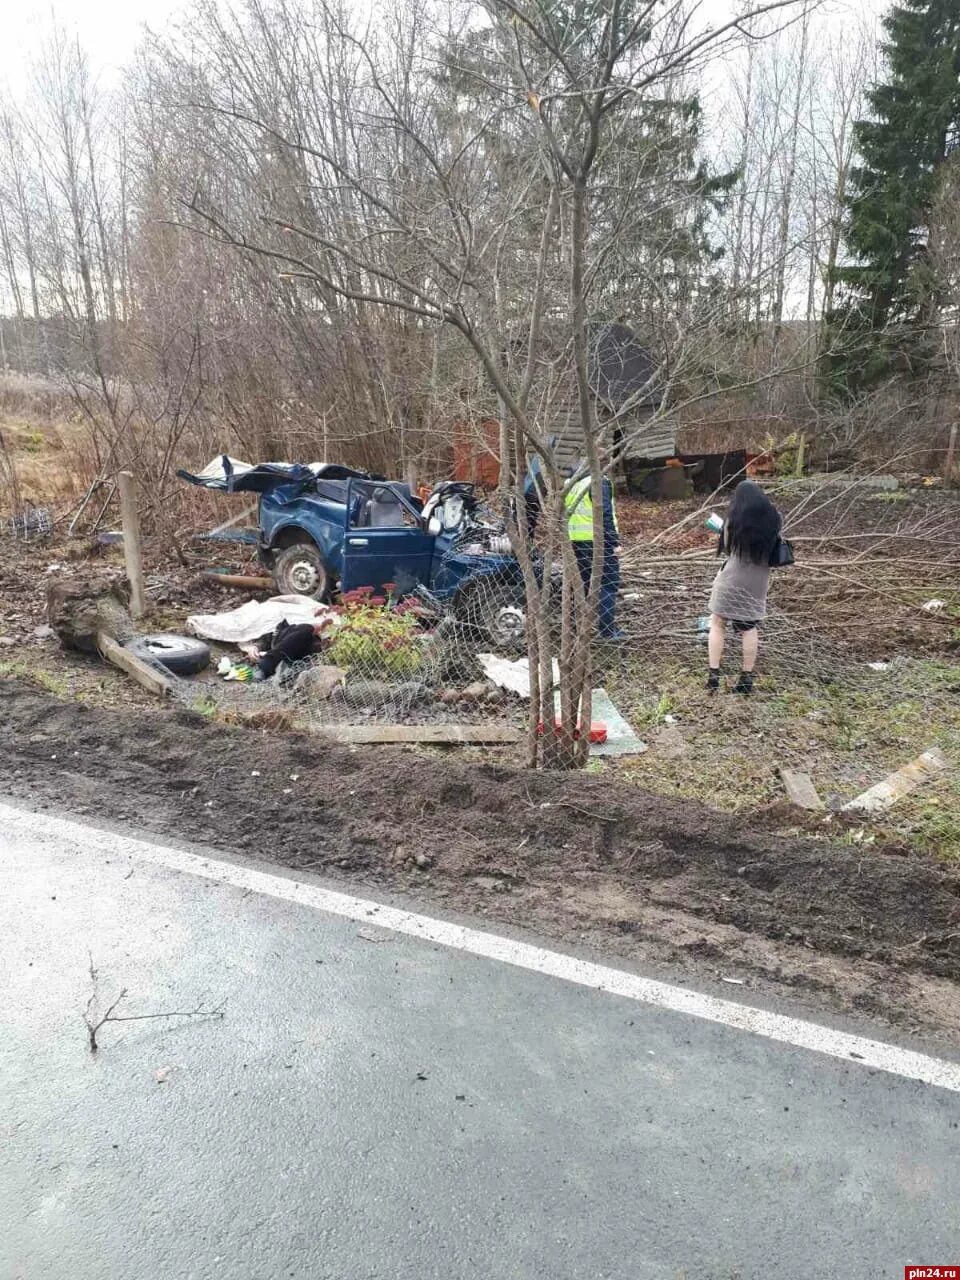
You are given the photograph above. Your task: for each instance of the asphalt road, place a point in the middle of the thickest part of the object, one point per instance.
(375, 1107)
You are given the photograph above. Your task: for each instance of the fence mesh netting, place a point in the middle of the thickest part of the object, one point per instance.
(855, 669)
(858, 668)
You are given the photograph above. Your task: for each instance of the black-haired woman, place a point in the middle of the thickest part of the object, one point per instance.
(749, 539)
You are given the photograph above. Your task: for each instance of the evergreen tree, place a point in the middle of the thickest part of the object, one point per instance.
(888, 300)
(654, 196)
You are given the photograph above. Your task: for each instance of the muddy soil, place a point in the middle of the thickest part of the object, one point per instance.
(576, 858)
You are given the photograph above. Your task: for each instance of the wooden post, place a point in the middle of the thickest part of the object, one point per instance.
(951, 454)
(151, 679)
(801, 453)
(131, 543)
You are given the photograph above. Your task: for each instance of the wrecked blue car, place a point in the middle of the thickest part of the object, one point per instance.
(329, 528)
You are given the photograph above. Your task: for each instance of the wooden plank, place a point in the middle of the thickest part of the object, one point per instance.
(800, 789)
(489, 734)
(900, 783)
(130, 519)
(238, 581)
(151, 679)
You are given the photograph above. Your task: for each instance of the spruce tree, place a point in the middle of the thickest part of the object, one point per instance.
(888, 303)
(654, 195)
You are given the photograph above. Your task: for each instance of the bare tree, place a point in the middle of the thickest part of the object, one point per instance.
(421, 215)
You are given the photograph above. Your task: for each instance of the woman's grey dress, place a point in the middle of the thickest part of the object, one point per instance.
(740, 591)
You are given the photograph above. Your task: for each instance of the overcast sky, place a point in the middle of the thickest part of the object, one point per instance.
(109, 29)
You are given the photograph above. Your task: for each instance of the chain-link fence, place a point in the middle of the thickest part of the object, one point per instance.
(404, 659)
(844, 686)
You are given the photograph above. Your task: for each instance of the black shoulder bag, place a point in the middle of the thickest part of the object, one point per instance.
(782, 554)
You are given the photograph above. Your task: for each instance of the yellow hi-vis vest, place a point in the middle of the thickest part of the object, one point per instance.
(579, 504)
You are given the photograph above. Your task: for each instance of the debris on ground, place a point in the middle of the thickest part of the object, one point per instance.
(180, 655)
(512, 675)
(318, 681)
(376, 694)
(448, 734)
(147, 674)
(258, 618)
(238, 581)
(621, 738)
(80, 609)
(900, 783)
(476, 692)
(91, 614)
(800, 789)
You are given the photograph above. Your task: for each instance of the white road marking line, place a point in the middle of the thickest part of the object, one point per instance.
(661, 995)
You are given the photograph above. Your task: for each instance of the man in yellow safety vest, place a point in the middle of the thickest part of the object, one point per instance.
(579, 505)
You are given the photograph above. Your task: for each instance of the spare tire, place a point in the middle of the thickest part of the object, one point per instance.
(182, 655)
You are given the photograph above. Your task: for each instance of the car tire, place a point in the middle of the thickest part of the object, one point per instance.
(300, 570)
(180, 655)
(500, 613)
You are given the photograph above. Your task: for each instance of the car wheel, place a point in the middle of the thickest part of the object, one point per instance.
(501, 614)
(299, 570)
(181, 655)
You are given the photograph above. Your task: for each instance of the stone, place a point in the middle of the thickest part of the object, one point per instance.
(476, 692)
(374, 694)
(320, 682)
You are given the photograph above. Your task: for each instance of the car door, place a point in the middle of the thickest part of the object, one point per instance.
(384, 539)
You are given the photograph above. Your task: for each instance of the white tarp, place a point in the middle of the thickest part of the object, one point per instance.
(258, 618)
(215, 470)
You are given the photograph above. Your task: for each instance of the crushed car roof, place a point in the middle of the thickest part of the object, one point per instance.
(230, 475)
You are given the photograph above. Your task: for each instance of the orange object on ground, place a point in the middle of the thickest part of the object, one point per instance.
(598, 731)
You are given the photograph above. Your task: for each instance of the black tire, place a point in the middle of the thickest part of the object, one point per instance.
(181, 655)
(300, 570)
(499, 612)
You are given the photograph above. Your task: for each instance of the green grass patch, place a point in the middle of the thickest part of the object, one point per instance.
(847, 734)
(58, 685)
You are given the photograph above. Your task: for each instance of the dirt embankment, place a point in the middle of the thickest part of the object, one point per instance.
(574, 857)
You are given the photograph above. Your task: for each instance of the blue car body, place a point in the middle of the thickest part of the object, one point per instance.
(359, 556)
(324, 506)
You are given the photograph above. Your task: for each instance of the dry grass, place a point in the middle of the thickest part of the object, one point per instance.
(44, 458)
